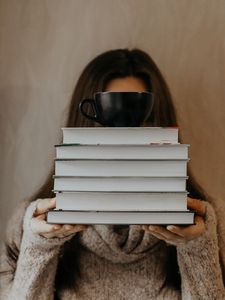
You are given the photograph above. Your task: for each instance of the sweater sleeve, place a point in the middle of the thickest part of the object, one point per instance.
(33, 276)
(198, 260)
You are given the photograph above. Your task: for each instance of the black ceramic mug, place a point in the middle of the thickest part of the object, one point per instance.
(119, 109)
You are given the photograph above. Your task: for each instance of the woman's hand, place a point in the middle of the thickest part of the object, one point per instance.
(41, 227)
(178, 234)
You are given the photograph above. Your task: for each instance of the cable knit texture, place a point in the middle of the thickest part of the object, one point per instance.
(117, 263)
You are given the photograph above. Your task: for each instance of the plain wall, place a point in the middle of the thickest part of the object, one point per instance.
(45, 44)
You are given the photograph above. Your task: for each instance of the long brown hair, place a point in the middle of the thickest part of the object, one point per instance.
(112, 64)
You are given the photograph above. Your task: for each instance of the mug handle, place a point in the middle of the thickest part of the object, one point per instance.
(81, 108)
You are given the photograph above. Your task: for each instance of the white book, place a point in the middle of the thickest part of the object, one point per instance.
(119, 135)
(151, 151)
(121, 201)
(115, 167)
(128, 184)
(113, 217)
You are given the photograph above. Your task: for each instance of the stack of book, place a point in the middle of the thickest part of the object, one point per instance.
(121, 175)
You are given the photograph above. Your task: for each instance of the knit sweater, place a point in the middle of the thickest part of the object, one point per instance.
(116, 264)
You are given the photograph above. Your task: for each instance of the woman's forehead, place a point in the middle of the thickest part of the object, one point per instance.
(126, 84)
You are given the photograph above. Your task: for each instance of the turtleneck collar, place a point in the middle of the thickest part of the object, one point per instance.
(119, 244)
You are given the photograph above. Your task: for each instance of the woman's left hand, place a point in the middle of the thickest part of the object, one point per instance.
(180, 234)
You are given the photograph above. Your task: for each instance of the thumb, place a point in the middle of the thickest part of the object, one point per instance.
(44, 205)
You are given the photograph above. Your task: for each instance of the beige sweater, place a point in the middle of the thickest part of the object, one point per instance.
(115, 265)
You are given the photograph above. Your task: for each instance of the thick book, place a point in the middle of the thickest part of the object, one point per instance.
(121, 201)
(119, 135)
(115, 217)
(151, 151)
(118, 183)
(114, 167)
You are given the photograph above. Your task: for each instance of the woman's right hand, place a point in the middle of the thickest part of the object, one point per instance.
(41, 227)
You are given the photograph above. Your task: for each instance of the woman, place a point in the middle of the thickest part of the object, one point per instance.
(52, 261)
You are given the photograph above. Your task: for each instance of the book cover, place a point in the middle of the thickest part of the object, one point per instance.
(121, 201)
(119, 135)
(116, 151)
(114, 167)
(112, 217)
(117, 183)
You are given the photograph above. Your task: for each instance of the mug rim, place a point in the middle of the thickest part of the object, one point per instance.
(114, 92)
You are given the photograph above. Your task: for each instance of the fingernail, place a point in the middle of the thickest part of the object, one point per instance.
(151, 227)
(68, 227)
(170, 227)
(56, 227)
(82, 227)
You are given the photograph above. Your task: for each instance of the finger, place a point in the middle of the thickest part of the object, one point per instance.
(192, 231)
(162, 233)
(43, 205)
(65, 235)
(69, 232)
(166, 233)
(81, 227)
(176, 229)
(57, 235)
(54, 233)
(65, 231)
(157, 235)
(73, 227)
(41, 217)
(41, 226)
(198, 206)
(161, 237)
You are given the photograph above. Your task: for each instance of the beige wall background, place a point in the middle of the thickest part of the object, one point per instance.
(44, 45)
